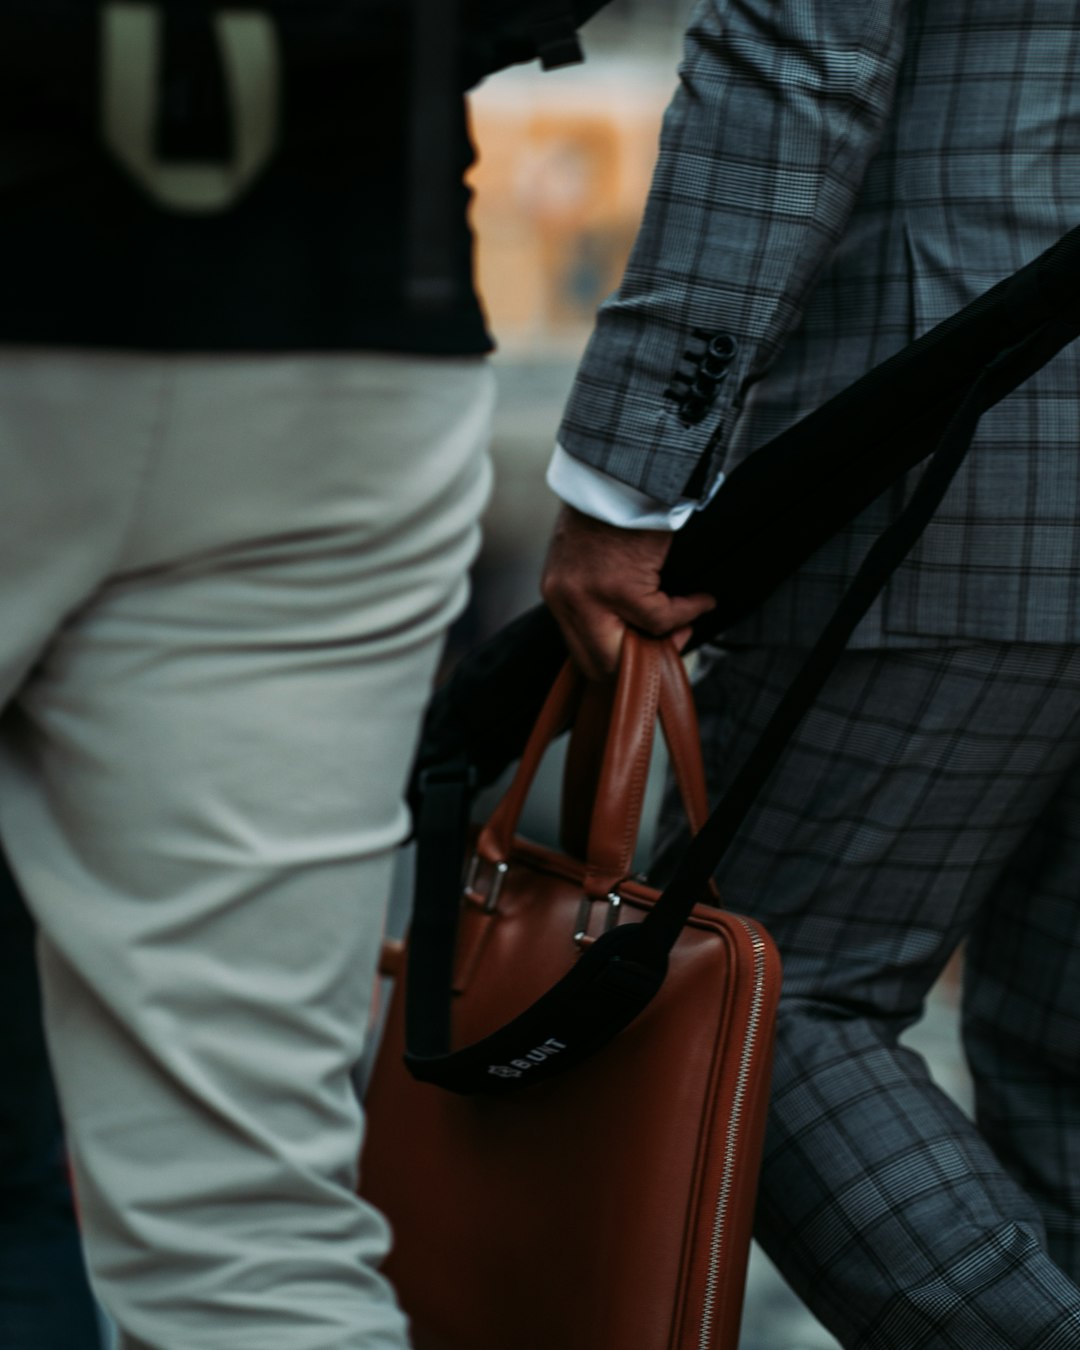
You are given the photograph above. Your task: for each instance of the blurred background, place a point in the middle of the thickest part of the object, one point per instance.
(565, 159)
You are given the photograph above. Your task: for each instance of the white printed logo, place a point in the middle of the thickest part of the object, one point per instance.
(131, 36)
(517, 1067)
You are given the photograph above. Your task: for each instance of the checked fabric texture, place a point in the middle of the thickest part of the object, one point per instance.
(931, 796)
(835, 178)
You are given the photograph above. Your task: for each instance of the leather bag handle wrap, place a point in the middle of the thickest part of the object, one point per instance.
(605, 776)
(608, 758)
(619, 796)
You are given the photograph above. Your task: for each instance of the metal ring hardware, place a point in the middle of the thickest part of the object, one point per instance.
(499, 874)
(585, 909)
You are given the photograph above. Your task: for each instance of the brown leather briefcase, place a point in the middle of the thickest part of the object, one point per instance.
(608, 1207)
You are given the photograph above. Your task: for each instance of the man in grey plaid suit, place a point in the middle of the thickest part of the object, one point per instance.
(835, 177)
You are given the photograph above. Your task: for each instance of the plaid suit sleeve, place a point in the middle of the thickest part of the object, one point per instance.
(779, 108)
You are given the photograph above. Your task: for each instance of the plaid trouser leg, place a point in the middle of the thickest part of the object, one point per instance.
(876, 847)
(1022, 1020)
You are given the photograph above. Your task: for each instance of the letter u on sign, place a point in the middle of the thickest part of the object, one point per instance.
(131, 39)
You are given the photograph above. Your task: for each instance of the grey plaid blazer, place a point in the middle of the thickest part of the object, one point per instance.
(834, 178)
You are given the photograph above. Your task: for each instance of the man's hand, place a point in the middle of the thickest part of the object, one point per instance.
(599, 579)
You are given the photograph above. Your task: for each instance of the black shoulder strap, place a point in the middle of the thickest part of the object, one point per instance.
(790, 495)
(620, 973)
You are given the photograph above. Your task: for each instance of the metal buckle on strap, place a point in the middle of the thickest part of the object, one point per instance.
(611, 918)
(498, 876)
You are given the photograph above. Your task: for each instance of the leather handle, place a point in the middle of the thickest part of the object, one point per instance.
(603, 799)
(615, 815)
(608, 758)
(574, 698)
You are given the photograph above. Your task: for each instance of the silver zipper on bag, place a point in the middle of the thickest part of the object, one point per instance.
(724, 1196)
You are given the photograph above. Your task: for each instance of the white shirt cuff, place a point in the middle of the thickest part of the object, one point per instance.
(596, 494)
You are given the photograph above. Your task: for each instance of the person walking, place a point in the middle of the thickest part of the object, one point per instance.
(834, 179)
(244, 465)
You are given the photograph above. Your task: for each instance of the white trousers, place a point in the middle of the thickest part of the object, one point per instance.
(224, 583)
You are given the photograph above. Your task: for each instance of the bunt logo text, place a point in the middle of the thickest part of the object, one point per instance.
(518, 1067)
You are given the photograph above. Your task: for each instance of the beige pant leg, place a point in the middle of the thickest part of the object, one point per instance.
(200, 792)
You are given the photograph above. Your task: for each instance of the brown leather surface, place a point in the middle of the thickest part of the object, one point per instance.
(579, 1214)
(624, 769)
(678, 720)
